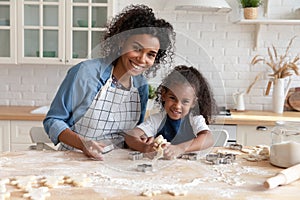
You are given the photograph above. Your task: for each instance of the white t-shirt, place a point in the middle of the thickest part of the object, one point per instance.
(152, 123)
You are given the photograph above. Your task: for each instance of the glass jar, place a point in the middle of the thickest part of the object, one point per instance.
(285, 148)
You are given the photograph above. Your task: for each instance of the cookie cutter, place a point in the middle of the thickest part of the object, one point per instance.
(236, 146)
(190, 156)
(144, 168)
(135, 155)
(220, 158)
(107, 148)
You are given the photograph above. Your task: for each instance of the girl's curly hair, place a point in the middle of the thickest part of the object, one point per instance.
(139, 19)
(206, 104)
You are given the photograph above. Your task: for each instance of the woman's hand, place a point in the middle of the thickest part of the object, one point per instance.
(92, 149)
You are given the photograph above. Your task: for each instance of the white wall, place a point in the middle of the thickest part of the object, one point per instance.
(212, 38)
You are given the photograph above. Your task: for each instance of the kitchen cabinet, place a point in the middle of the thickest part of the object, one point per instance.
(60, 31)
(249, 135)
(52, 31)
(8, 31)
(14, 134)
(4, 135)
(19, 134)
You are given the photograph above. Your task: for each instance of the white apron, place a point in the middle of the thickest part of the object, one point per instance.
(112, 111)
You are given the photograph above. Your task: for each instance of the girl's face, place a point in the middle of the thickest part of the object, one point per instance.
(179, 99)
(138, 53)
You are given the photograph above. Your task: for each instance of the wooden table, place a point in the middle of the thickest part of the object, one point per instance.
(117, 177)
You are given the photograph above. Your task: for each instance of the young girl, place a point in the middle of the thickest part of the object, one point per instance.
(102, 97)
(188, 105)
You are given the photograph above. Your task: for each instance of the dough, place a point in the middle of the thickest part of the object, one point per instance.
(79, 180)
(177, 192)
(149, 193)
(40, 193)
(259, 152)
(159, 141)
(24, 183)
(52, 181)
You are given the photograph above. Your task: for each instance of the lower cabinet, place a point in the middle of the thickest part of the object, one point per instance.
(4, 135)
(14, 134)
(249, 135)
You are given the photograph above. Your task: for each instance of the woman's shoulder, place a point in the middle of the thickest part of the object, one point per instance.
(94, 67)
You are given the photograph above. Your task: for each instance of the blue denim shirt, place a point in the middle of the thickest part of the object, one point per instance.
(77, 91)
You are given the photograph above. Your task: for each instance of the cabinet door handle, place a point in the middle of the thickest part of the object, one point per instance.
(261, 128)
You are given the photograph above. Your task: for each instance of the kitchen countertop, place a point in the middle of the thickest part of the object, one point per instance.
(117, 178)
(249, 117)
(244, 118)
(20, 113)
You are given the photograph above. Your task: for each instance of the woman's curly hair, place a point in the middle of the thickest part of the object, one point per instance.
(139, 19)
(206, 104)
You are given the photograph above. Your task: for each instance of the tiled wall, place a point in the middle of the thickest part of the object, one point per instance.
(213, 42)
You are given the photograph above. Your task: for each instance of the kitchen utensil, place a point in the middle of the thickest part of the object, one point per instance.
(238, 99)
(284, 177)
(135, 155)
(294, 100)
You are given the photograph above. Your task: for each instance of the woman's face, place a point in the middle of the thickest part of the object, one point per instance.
(178, 99)
(138, 54)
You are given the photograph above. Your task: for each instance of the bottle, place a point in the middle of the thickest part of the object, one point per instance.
(285, 148)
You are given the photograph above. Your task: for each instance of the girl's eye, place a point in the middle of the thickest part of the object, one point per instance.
(172, 97)
(185, 102)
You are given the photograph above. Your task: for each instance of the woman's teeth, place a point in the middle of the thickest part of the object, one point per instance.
(137, 67)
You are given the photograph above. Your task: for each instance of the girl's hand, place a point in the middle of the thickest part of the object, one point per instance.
(172, 151)
(92, 149)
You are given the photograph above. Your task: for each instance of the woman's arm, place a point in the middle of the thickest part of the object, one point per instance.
(136, 139)
(90, 148)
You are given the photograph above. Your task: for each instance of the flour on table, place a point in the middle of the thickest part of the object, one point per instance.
(4, 194)
(40, 193)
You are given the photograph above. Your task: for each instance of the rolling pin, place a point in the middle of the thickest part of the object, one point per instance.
(284, 177)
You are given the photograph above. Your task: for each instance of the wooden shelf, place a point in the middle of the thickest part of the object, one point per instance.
(259, 22)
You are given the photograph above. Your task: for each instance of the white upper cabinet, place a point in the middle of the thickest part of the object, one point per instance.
(8, 31)
(52, 31)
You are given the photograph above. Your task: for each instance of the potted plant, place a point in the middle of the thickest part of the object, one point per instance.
(151, 97)
(250, 8)
(282, 68)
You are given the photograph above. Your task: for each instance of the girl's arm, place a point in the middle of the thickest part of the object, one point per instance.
(136, 139)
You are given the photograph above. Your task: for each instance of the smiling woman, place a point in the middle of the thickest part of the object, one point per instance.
(101, 98)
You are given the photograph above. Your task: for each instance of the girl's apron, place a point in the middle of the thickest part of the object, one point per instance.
(112, 112)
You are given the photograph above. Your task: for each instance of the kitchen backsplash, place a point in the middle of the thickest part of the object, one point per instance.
(213, 42)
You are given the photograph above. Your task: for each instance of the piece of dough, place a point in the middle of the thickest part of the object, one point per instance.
(149, 193)
(159, 141)
(177, 192)
(52, 181)
(40, 193)
(81, 180)
(24, 183)
(3, 193)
